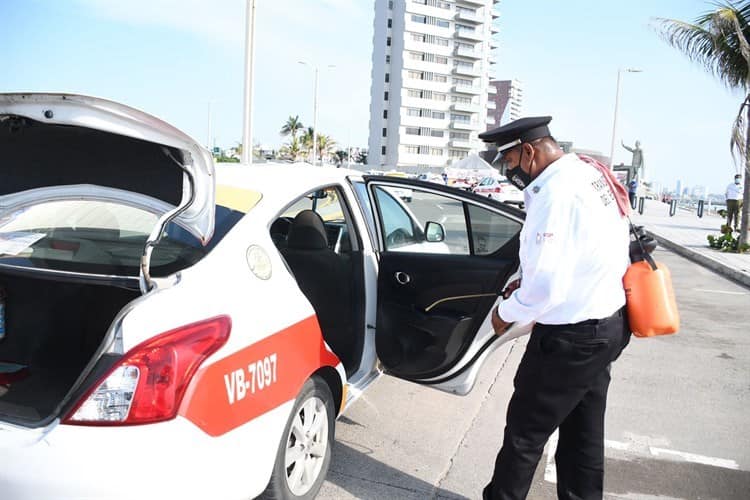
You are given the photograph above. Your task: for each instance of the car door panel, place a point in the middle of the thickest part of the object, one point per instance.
(425, 325)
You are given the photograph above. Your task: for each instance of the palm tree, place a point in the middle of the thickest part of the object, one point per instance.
(292, 126)
(292, 150)
(718, 40)
(307, 140)
(325, 145)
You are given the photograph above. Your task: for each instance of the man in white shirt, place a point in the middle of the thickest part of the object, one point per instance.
(573, 253)
(734, 198)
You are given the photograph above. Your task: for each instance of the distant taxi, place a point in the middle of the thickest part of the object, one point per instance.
(499, 189)
(175, 329)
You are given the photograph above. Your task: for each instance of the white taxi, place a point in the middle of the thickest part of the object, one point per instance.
(499, 188)
(173, 329)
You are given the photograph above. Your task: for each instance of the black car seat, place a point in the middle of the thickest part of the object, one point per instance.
(323, 276)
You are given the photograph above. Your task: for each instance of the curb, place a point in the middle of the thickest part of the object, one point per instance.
(718, 267)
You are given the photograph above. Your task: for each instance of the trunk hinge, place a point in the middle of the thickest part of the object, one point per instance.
(145, 280)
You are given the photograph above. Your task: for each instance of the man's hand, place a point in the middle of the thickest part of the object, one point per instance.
(498, 324)
(512, 286)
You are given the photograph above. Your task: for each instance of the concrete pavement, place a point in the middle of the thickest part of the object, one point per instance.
(685, 233)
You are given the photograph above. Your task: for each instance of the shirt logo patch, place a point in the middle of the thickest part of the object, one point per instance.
(544, 238)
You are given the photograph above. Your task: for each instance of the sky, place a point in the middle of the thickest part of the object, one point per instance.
(178, 59)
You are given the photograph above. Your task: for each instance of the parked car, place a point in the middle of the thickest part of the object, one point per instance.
(500, 189)
(403, 193)
(179, 330)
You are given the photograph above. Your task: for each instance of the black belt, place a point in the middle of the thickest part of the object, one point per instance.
(588, 322)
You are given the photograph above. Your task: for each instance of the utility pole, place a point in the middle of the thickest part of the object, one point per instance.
(247, 119)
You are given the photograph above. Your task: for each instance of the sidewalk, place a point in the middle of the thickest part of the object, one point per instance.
(685, 233)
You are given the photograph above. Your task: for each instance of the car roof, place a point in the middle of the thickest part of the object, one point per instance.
(280, 179)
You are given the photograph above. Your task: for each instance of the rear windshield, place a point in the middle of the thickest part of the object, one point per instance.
(100, 237)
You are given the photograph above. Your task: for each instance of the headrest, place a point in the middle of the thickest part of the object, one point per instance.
(307, 232)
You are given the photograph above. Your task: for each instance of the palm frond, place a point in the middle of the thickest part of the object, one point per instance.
(717, 40)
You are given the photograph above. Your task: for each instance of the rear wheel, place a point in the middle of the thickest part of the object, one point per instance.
(304, 453)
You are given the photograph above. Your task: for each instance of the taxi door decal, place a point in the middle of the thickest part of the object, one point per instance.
(256, 379)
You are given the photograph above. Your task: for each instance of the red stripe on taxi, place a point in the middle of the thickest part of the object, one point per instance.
(256, 379)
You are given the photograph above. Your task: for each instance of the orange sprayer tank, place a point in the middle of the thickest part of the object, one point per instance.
(652, 309)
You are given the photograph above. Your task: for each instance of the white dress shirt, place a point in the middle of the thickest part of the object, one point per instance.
(734, 191)
(574, 248)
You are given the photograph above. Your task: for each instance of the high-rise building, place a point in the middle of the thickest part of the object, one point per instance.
(430, 81)
(506, 104)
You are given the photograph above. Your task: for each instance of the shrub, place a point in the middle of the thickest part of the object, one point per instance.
(726, 242)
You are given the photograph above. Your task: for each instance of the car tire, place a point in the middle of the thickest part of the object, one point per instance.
(313, 419)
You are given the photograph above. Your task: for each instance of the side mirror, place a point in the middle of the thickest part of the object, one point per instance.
(320, 195)
(434, 232)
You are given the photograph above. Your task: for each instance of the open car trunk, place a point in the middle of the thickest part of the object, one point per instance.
(53, 329)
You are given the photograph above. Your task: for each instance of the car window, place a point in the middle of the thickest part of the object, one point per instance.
(327, 203)
(101, 237)
(490, 231)
(404, 223)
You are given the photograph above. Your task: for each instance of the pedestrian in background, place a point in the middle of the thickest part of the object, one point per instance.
(734, 199)
(632, 190)
(573, 253)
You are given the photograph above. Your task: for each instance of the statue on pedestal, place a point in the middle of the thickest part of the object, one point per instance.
(637, 162)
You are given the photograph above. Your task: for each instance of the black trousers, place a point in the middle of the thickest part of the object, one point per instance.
(733, 211)
(562, 382)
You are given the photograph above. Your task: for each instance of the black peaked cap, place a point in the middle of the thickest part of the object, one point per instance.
(517, 132)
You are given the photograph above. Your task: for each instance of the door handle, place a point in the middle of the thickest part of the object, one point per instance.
(402, 277)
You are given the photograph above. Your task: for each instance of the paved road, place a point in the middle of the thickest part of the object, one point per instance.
(676, 424)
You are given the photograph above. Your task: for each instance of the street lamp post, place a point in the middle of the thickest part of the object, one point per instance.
(614, 121)
(247, 118)
(315, 110)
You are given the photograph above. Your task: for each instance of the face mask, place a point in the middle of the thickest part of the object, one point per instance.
(517, 176)
(737, 181)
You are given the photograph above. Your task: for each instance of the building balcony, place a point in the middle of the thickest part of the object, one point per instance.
(467, 89)
(466, 107)
(462, 125)
(427, 85)
(476, 3)
(410, 44)
(469, 53)
(422, 121)
(492, 59)
(465, 70)
(428, 29)
(491, 105)
(427, 10)
(431, 67)
(492, 89)
(490, 120)
(460, 143)
(476, 36)
(471, 17)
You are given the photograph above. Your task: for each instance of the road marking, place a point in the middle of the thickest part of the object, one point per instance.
(616, 445)
(720, 291)
(698, 459)
(550, 470)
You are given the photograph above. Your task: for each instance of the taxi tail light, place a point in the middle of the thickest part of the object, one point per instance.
(147, 384)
